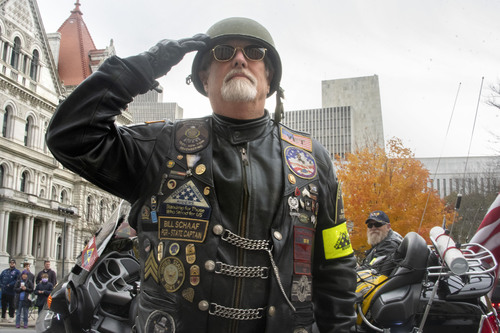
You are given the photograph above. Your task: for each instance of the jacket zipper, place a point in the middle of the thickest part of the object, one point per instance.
(243, 223)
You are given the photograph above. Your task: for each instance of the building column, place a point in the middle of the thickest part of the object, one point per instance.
(24, 232)
(31, 227)
(42, 238)
(50, 246)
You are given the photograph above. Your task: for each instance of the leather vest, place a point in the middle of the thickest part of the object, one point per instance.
(207, 271)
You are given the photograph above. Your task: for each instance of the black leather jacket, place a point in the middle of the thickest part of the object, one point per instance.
(231, 240)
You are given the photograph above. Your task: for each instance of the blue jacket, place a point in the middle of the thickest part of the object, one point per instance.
(8, 279)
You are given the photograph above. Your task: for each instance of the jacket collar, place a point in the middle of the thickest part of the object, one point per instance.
(237, 133)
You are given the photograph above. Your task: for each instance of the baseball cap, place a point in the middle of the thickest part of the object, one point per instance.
(378, 216)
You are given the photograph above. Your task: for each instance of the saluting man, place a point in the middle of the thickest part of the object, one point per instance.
(240, 219)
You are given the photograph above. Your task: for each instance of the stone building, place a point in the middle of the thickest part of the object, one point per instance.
(36, 71)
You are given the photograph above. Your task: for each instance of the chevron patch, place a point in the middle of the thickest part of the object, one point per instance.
(151, 267)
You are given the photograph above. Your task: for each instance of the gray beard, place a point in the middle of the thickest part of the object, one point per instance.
(238, 90)
(374, 239)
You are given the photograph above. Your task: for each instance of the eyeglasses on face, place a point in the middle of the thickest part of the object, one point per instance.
(375, 224)
(224, 53)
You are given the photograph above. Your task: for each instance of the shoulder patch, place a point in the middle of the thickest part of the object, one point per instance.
(296, 139)
(300, 162)
(191, 136)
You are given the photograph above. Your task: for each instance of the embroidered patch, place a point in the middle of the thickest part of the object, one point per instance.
(336, 242)
(186, 215)
(303, 239)
(89, 255)
(191, 136)
(151, 267)
(301, 288)
(296, 139)
(300, 162)
(171, 273)
(160, 322)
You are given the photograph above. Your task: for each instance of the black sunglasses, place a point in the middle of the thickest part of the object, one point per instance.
(376, 225)
(223, 53)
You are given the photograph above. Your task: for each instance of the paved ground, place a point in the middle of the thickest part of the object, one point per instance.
(31, 321)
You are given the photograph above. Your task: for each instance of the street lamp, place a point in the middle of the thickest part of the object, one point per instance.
(65, 212)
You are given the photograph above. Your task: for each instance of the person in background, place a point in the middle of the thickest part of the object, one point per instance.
(23, 289)
(8, 279)
(26, 267)
(384, 242)
(51, 274)
(42, 291)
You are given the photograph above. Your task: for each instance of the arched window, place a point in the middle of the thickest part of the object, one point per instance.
(16, 52)
(28, 131)
(59, 248)
(34, 65)
(89, 207)
(6, 121)
(2, 173)
(24, 182)
(5, 51)
(64, 196)
(102, 211)
(54, 193)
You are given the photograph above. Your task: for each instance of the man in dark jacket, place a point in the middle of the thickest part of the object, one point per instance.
(8, 279)
(240, 219)
(50, 273)
(384, 242)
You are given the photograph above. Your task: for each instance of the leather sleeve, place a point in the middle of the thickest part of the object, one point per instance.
(83, 136)
(334, 279)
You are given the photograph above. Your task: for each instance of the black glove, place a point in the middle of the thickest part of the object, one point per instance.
(168, 53)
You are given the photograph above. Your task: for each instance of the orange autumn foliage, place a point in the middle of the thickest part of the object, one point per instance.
(392, 181)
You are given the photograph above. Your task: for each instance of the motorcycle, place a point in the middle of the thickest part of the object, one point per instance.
(441, 287)
(99, 293)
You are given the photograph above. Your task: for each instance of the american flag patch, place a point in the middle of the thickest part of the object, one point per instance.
(296, 139)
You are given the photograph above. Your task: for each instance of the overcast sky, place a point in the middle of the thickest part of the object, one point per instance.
(423, 52)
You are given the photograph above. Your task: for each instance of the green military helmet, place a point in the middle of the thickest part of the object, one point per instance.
(239, 28)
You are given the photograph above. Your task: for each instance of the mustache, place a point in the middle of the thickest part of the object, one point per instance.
(236, 72)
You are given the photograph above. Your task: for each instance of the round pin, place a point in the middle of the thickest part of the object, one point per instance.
(171, 184)
(200, 169)
(271, 311)
(170, 164)
(203, 305)
(218, 229)
(291, 178)
(174, 249)
(210, 265)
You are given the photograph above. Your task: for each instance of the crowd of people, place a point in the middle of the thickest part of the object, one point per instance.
(20, 290)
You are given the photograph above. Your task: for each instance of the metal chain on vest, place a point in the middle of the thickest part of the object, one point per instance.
(255, 244)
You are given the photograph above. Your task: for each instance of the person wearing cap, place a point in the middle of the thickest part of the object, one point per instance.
(23, 288)
(384, 242)
(239, 218)
(8, 279)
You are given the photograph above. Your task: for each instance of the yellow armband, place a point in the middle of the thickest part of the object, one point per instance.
(336, 242)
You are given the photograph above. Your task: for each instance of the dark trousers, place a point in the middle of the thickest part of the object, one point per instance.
(8, 300)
